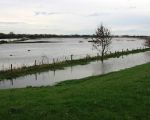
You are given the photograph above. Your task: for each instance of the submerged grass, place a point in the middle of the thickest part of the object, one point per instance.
(10, 74)
(123, 95)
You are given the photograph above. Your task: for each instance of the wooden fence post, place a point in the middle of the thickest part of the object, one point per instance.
(97, 54)
(11, 67)
(53, 61)
(35, 62)
(71, 57)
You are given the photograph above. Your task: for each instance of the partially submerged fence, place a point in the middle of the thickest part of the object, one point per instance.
(47, 60)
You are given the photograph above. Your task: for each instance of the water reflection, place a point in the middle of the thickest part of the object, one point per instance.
(76, 72)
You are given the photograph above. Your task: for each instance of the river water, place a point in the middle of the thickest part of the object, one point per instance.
(58, 48)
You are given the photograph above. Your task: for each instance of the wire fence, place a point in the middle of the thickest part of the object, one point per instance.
(46, 60)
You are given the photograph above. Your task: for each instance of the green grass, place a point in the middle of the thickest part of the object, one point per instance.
(123, 95)
(10, 74)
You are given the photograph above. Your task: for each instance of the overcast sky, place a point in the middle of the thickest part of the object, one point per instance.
(75, 16)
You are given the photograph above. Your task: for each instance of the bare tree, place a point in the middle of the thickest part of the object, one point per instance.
(147, 42)
(102, 40)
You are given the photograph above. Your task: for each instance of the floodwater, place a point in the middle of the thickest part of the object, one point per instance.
(27, 52)
(94, 68)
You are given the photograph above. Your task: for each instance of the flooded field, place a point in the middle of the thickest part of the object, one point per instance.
(76, 72)
(25, 53)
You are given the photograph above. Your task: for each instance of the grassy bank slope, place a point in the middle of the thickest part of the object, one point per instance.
(123, 95)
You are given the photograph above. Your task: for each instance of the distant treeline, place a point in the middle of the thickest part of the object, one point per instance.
(11, 35)
(34, 36)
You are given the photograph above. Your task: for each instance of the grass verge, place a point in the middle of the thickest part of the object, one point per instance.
(123, 95)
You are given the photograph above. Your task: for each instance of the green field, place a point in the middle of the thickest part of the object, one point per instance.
(123, 95)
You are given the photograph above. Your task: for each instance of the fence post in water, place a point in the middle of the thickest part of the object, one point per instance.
(97, 54)
(35, 62)
(85, 57)
(57, 60)
(65, 58)
(122, 53)
(53, 61)
(42, 62)
(71, 57)
(11, 67)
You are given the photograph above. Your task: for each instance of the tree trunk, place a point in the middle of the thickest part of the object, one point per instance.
(102, 56)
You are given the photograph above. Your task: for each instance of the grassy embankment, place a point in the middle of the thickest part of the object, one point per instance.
(123, 95)
(9, 74)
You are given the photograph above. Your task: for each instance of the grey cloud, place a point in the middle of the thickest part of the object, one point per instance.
(99, 14)
(46, 13)
(125, 8)
(11, 23)
(132, 7)
(43, 13)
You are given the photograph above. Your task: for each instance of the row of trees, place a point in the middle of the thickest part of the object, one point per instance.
(34, 36)
(12, 35)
